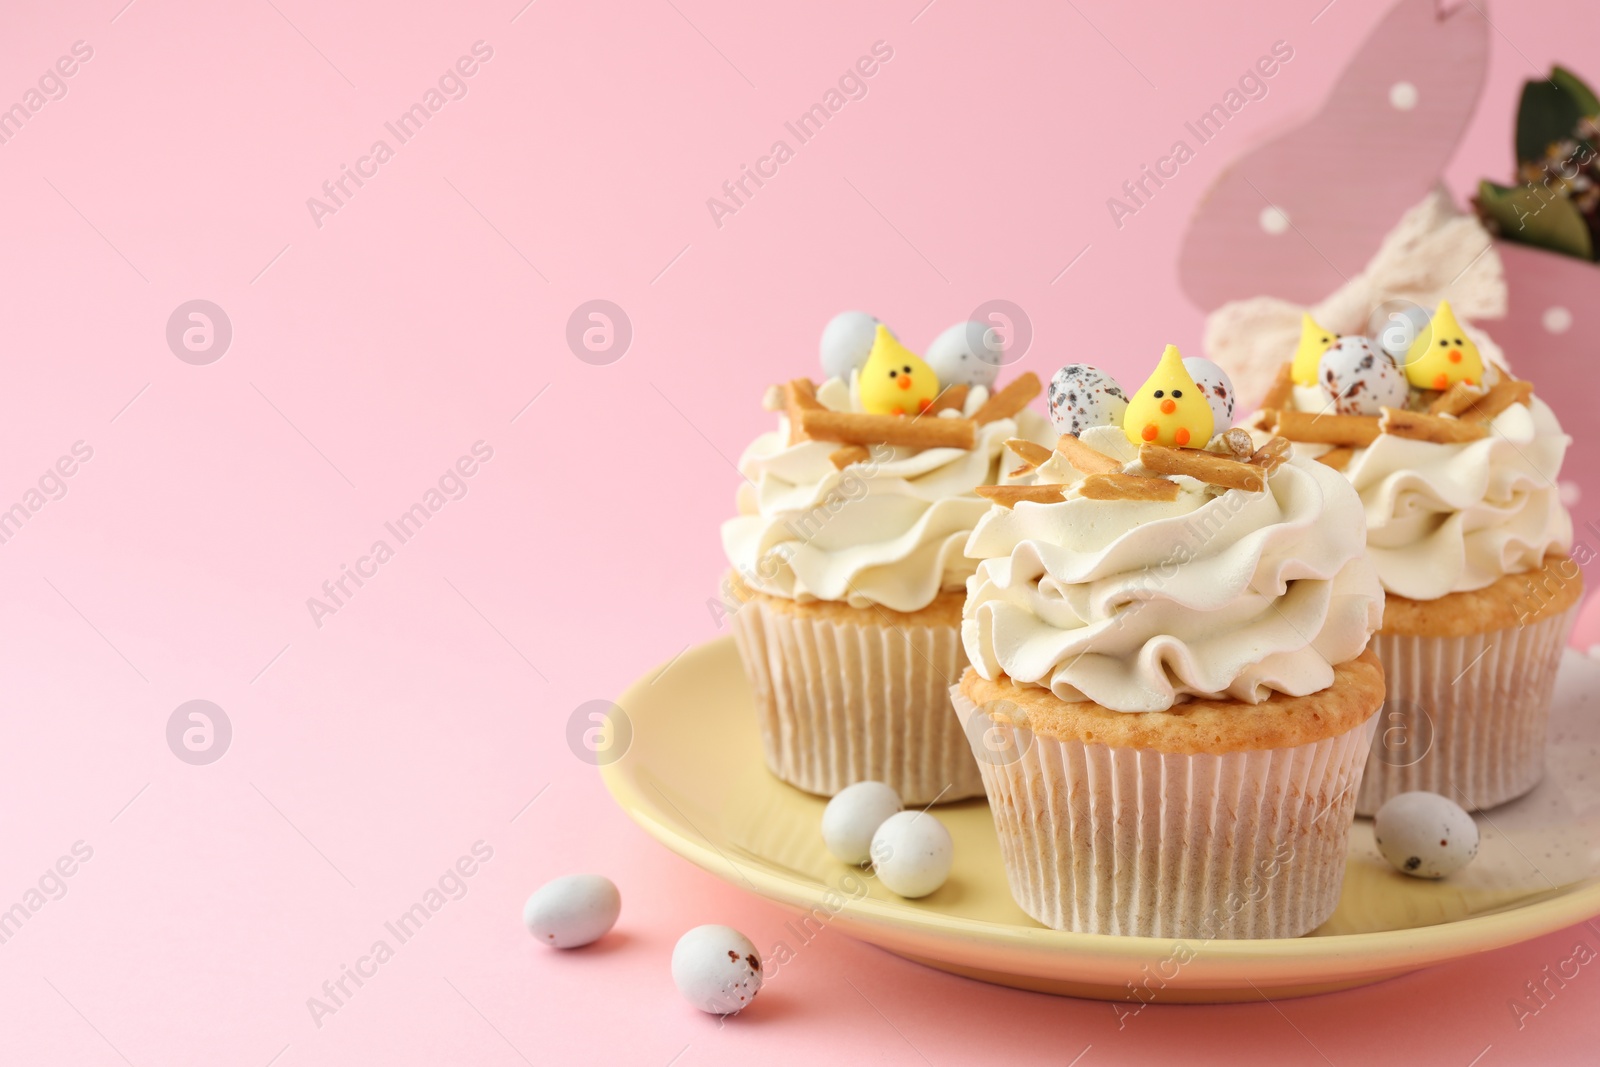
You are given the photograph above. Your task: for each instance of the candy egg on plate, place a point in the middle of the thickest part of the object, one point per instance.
(963, 355)
(574, 910)
(1082, 396)
(1361, 378)
(717, 969)
(912, 853)
(1214, 382)
(1425, 835)
(853, 816)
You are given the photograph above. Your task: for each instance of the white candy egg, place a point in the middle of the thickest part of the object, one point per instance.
(572, 911)
(1395, 324)
(1214, 382)
(1081, 397)
(853, 816)
(1361, 378)
(963, 355)
(1425, 835)
(846, 340)
(912, 853)
(717, 969)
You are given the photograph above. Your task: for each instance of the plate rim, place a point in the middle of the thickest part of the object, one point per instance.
(1410, 948)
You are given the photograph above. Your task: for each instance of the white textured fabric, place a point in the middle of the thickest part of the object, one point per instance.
(1434, 253)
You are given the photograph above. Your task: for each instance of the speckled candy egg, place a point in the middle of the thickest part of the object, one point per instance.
(912, 853)
(846, 340)
(853, 816)
(1214, 382)
(1361, 378)
(572, 911)
(1425, 835)
(1081, 396)
(717, 969)
(962, 356)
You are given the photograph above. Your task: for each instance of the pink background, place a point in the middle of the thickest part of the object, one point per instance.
(371, 752)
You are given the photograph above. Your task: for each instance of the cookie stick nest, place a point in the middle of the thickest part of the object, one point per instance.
(810, 421)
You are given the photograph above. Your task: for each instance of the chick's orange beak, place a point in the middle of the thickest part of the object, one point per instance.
(905, 381)
(1168, 407)
(1455, 355)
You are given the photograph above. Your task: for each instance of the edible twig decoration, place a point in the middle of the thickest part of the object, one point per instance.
(1127, 487)
(1439, 429)
(849, 454)
(1033, 456)
(1337, 458)
(1353, 430)
(1085, 459)
(1010, 400)
(1455, 400)
(1010, 495)
(954, 398)
(1500, 396)
(1282, 391)
(1203, 466)
(1272, 455)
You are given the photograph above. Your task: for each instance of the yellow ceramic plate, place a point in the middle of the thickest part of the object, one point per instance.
(692, 775)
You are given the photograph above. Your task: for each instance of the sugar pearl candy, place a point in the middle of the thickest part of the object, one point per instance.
(853, 816)
(575, 910)
(1214, 382)
(846, 340)
(1361, 378)
(1425, 835)
(1081, 396)
(912, 853)
(964, 355)
(717, 969)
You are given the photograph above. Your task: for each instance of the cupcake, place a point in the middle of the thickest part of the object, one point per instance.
(1456, 462)
(1170, 696)
(847, 567)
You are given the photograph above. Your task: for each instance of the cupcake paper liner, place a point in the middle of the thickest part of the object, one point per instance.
(1465, 717)
(846, 702)
(1105, 840)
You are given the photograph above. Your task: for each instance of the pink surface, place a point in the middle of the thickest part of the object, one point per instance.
(371, 352)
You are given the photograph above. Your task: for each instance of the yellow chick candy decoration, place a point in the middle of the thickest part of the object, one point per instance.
(893, 381)
(1443, 354)
(1169, 409)
(1314, 340)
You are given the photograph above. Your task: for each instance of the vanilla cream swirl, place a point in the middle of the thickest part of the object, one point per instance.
(889, 531)
(1448, 518)
(1139, 605)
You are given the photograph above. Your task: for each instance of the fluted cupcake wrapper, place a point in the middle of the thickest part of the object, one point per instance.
(1106, 840)
(1465, 717)
(846, 702)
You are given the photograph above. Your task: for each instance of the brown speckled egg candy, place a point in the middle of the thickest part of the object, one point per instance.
(1082, 396)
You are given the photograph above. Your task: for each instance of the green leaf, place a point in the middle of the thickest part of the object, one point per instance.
(1547, 114)
(1536, 216)
(1588, 103)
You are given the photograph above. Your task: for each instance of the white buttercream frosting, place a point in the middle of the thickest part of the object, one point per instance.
(1138, 605)
(888, 532)
(1449, 518)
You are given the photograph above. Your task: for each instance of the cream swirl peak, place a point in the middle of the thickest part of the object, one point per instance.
(887, 531)
(1140, 604)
